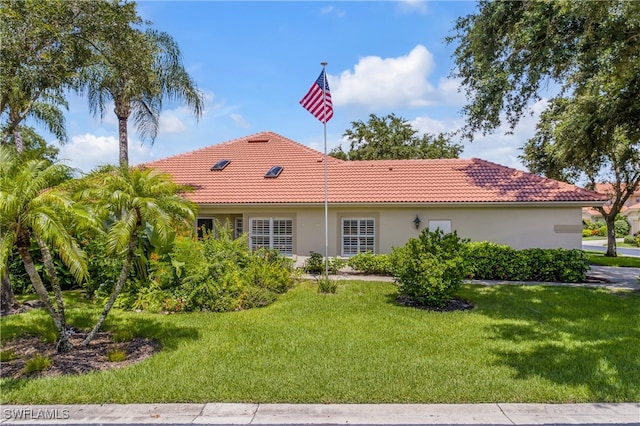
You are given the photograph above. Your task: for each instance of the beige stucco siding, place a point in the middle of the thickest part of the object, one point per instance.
(544, 227)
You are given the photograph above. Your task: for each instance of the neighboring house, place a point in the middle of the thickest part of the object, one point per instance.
(273, 189)
(630, 210)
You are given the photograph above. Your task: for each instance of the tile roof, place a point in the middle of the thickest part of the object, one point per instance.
(382, 181)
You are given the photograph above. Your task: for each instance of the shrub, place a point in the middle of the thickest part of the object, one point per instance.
(315, 264)
(430, 268)
(490, 261)
(270, 270)
(622, 227)
(7, 355)
(586, 233)
(327, 285)
(116, 355)
(629, 239)
(256, 297)
(369, 263)
(36, 364)
(215, 273)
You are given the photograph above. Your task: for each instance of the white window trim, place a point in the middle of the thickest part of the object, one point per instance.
(359, 235)
(271, 234)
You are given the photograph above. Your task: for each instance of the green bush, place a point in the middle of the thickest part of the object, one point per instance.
(586, 233)
(369, 263)
(36, 364)
(430, 268)
(327, 285)
(629, 239)
(216, 273)
(7, 355)
(315, 264)
(490, 261)
(622, 227)
(256, 297)
(116, 355)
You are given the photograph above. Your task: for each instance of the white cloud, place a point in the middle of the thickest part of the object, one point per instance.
(411, 6)
(87, 151)
(502, 147)
(394, 82)
(239, 120)
(331, 10)
(170, 122)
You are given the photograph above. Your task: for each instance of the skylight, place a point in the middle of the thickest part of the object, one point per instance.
(273, 172)
(220, 165)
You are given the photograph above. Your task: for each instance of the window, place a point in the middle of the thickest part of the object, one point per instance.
(444, 225)
(358, 236)
(203, 223)
(238, 227)
(273, 233)
(273, 172)
(220, 165)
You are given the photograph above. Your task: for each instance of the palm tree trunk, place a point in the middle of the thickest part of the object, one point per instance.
(23, 248)
(124, 274)
(123, 141)
(53, 276)
(7, 299)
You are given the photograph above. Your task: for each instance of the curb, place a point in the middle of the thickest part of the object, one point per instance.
(324, 414)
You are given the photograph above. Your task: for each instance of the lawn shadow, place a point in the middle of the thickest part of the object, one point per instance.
(37, 322)
(570, 336)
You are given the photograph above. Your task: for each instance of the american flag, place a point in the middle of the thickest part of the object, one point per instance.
(312, 101)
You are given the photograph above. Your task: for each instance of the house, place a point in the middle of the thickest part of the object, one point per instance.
(272, 188)
(630, 210)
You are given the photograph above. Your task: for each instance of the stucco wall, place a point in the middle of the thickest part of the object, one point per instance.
(544, 227)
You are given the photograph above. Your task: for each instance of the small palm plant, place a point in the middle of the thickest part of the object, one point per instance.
(134, 199)
(33, 205)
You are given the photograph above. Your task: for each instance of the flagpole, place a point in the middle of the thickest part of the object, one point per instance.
(326, 172)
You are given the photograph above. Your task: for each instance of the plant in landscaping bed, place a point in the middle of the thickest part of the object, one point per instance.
(430, 269)
(315, 264)
(327, 285)
(36, 364)
(116, 355)
(369, 263)
(490, 261)
(7, 355)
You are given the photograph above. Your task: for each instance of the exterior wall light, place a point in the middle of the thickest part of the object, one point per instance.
(417, 221)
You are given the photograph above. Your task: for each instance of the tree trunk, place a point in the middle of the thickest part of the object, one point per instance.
(611, 235)
(124, 274)
(7, 299)
(23, 248)
(123, 141)
(53, 276)
(17, 136)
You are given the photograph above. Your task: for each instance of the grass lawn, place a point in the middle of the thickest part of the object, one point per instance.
(520, 344)
(598, 258)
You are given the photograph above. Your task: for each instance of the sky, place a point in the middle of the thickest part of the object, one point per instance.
(254, 61)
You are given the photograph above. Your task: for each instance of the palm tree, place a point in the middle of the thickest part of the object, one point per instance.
(32, 206)
(135, 199)
(136, 71)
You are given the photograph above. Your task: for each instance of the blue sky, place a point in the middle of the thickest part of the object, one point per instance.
(254, 61)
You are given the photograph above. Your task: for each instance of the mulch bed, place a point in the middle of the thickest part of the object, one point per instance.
(79, 360)
(451, 306)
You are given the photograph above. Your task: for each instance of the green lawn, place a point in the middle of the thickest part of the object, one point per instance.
(520, 344)
(598, 258)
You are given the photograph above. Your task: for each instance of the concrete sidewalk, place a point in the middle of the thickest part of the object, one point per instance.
(324, 414)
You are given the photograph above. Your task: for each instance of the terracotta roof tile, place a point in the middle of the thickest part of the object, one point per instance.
(383, 181)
